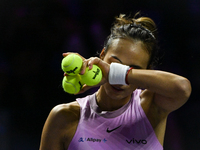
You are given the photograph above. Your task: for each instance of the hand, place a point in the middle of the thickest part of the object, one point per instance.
(105, 67)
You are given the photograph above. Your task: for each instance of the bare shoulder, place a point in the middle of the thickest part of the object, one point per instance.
(72, 107)
(66, 112)
(60, 126)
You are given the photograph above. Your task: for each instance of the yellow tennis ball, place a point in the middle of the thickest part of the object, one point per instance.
(92, 77)
(72, 84)
(71, 64)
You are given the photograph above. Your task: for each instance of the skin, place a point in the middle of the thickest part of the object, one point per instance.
(164, 92)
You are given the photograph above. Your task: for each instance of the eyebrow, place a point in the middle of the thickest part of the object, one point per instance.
(134, 66)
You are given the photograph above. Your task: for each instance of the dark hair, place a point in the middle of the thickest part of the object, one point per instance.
(140, 29)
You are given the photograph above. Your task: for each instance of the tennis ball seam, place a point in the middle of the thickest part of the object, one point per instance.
(73, 86)
(70, 63)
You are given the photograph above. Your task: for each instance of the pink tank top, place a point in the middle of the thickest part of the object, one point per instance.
(124, 129)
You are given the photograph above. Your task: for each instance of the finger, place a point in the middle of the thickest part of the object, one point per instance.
(84, 65)
(105, 67)
(92, 61)
(65, 54)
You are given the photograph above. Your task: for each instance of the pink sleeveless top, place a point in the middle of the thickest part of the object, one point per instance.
(124, 129)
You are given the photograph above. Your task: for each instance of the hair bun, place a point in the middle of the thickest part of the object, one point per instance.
(145, 22)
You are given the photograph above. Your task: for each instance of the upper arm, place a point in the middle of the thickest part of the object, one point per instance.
(167, 104)
(171, 91)
(56, 127)
(176, 100)
(52, 134)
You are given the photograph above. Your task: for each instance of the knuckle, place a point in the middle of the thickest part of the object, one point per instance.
(95, 59)
(91, 58)
(84, 61)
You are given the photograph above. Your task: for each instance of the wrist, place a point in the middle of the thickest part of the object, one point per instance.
(127, 73)
(118, 74)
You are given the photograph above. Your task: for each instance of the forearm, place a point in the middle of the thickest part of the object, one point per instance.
(160, 82)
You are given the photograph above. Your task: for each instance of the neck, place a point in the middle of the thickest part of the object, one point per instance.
(107, 103)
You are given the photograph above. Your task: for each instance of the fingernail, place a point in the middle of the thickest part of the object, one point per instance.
(90, 67)
(82, 72)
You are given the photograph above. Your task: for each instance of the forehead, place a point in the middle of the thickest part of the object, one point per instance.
(129, 52)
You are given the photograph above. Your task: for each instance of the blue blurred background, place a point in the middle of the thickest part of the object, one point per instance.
(35, 33)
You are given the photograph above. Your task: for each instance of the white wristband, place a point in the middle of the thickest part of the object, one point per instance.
(117, 73)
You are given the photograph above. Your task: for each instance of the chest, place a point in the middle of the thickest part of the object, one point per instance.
(119, 133)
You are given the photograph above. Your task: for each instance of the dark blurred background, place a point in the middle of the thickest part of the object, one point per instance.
(35, 33)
